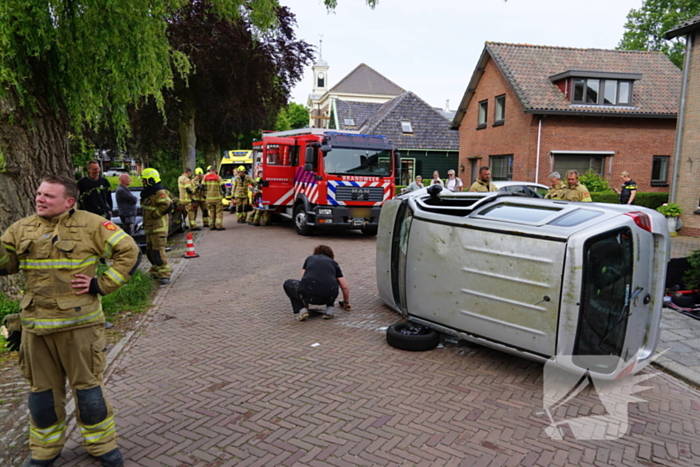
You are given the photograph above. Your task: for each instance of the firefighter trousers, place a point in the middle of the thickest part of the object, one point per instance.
(216, 213)
(155, 252)
(242, 209)
(187, 207)
(201, 205)
(46, 362)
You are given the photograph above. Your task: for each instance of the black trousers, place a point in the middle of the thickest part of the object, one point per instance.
(299, 298)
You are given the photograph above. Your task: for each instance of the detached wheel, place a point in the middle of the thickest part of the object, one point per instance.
(300, 221)
(412, 337)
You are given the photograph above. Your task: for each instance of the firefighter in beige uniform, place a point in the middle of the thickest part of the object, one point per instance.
(156, 204)
(215, 188)
(184, 185)
(199, 198)
(575, 191)
(240, 193)
(58, 249)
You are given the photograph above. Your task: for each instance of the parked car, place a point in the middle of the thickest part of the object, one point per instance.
(529, 189)
(533, 277)
(177, 220)
(115, 172)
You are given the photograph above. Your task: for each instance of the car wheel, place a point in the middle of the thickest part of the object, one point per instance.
(300, 221)
(412, 337)
(369, 231)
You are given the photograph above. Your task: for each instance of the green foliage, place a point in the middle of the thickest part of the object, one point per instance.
(593, 182)
(647, 199)
(170, 168)
(691, 278)
(645, 27)
(298, 115)
(135, 296)
(7, 306)
(670, 209)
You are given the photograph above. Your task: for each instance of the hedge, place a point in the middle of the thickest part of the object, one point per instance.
(647, 199)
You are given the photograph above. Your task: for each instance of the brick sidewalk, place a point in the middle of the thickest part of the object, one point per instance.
(221, 375)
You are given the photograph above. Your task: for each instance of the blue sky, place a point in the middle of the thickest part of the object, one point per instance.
(431, 47)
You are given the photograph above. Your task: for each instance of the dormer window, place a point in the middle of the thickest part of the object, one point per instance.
(406, 126)
(596, 88)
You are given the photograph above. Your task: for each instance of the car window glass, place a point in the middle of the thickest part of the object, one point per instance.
(577, 217)
(517, 212)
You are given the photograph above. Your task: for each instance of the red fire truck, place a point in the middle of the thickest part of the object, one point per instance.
(326, 179)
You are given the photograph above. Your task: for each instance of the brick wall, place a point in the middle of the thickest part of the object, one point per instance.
(634, 141)
(687, 191)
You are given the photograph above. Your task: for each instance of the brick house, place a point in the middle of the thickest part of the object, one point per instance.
(529, 110)
(685, 190)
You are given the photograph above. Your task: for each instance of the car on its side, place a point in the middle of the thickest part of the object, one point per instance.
(580, 283)
(177, 220)
(528, 189)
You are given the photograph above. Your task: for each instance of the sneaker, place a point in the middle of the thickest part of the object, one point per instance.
(302, 315)
(328, 315)
(164, 281)
(112, 459)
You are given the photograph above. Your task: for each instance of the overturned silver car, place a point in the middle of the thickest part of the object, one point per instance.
(532, 277)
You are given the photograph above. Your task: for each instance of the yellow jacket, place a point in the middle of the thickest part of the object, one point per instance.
(50, 253)
(155, 207)
(184, 183)
(240, 186)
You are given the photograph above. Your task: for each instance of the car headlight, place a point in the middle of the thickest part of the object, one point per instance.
(325, 212)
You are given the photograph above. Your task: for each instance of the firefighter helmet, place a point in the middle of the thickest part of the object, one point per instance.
(198, 171)
(151, 176)
(241, 169)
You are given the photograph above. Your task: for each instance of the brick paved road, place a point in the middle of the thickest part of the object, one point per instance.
(221, 375)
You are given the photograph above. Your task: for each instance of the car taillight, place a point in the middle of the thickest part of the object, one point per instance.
(641, 219)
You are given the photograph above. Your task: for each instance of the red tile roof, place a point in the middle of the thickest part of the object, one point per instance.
(528, 69)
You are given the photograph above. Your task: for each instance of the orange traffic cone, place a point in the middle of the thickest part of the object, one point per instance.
(190, 247)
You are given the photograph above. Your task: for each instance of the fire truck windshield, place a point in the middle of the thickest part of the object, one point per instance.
(356, 161)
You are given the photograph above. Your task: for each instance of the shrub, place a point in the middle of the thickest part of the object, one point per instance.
(691, 278)
(593, 182)
(647, 199)
(670, 210)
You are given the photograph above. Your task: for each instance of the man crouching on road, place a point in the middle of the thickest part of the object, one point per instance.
(320, 279)
(62, 323)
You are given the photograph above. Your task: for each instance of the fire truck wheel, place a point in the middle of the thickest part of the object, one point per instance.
(300, 221)
(369, 231)
(412, 337)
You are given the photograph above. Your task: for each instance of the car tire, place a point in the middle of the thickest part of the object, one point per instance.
(412, 337)
(300, 221)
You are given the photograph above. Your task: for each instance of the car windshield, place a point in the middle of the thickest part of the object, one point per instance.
(356, 161)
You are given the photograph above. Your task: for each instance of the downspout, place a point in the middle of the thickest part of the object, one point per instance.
(681, 115)
(539, 140)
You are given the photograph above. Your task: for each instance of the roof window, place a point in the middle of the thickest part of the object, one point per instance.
(406, 126)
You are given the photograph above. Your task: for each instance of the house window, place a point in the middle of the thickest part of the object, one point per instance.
(483, 112)
(406, 127)
(500, 114)
(591, 91)
(581, 163)
(659, 171)
(501, 167)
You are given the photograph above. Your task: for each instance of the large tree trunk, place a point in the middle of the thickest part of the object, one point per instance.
(212, 153)
(33, 143)
(188, 138)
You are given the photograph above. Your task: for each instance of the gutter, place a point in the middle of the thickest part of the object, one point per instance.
(578, 113)
(681, 118)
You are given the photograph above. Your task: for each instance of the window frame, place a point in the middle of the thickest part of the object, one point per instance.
(509, 173)
(659, 181)
(585, 91)
(482, 114)
(406, 127)
(500, 105)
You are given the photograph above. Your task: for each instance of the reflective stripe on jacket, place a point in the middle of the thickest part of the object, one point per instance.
(213, 184)
(155, 208)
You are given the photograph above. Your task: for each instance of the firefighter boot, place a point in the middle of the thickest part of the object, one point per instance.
(112, 459)
(29, 462)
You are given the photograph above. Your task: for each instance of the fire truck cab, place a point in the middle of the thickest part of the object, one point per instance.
(325, 179)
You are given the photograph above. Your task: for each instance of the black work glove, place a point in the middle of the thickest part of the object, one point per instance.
(14, 339)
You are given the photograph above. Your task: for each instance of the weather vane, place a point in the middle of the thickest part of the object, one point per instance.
(320, 47)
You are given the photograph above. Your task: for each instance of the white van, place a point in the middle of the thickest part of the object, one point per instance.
(532, 277)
